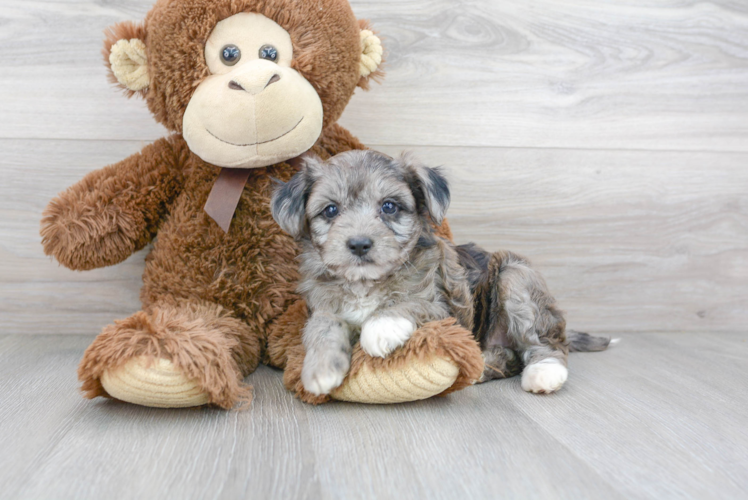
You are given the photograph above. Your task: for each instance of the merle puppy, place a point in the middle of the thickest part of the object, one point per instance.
(372, 268)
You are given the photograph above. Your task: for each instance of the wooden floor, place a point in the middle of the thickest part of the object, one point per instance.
(657, 416)
(607, 141)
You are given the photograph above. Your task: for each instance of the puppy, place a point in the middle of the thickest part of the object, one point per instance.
(373, 269)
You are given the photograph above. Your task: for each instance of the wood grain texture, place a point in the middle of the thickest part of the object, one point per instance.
(628, 239)
(576, 74)
(657, 416)
(570, 131)
(606, 141)
(665, 75)
(649, 240)
(36, 294)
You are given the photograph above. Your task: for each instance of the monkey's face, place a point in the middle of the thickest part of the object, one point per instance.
(248, 83)
(254, 109)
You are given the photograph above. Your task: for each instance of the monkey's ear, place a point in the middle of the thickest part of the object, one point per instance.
(429, 187)
(126, 56)
(289, 199)
(372, 56)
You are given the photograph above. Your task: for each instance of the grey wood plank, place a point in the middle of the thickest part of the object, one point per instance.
(204, 453)
(31, 284)
(473, 445)
(58, 445)
(576, 74)
(637, 421)
(626, 239)
(661, 415)
(38, 400)
(646, 240)
(54, 85)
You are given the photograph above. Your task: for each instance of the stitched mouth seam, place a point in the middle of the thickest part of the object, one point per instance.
(257, 143)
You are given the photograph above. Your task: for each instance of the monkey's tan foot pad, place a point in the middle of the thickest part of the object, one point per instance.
(155, 382)
(441, 357)
(416, 380)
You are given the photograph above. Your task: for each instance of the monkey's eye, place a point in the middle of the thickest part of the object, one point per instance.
(389, 208)
(268, 52)
(230, 55)
(331, 211)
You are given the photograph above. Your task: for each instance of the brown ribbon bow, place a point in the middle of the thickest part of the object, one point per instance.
(227, 190)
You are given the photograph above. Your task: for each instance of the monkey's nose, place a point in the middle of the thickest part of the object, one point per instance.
(234, 85)
(272, 80)
(359, 246)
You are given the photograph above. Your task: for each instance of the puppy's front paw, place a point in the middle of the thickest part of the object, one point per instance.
(324, 370)
(545, 376)
(380, 336)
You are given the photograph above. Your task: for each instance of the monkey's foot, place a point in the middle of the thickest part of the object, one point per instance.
(172, 356)
(441, 357)
(155, 382)
(413, 381)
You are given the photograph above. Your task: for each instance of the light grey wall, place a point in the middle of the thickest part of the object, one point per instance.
(607, 141)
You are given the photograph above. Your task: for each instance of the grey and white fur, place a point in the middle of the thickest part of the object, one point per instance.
(372, 269)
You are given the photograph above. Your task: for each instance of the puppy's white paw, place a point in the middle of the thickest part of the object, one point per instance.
(324, 371)
(380, 336)
(545, 376)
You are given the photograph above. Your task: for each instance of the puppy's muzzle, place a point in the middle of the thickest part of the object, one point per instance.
(359, 246)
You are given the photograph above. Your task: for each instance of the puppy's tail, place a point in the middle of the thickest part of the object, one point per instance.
(584, 342)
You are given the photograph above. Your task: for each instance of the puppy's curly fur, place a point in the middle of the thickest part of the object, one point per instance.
(372, 268)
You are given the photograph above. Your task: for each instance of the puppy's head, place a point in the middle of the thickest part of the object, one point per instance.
(363, 212)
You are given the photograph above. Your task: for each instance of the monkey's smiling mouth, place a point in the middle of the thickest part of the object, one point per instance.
(257, 143)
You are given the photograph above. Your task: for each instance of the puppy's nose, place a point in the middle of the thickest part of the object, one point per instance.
(359, 246)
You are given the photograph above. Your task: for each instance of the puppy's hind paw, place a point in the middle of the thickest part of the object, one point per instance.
(545, 376)
(380, 336)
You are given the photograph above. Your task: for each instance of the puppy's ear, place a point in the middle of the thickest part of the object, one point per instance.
(429, 187)
(289, 199)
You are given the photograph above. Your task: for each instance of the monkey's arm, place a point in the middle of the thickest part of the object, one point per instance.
(114, 211)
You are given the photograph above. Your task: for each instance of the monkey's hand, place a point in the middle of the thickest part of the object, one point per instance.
(114, 211)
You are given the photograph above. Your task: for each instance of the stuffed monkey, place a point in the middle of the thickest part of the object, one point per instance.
(245, 87)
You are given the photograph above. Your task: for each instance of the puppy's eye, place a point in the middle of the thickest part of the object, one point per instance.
(268, 52)
(230, 55)
(389, 208)
(331, 211)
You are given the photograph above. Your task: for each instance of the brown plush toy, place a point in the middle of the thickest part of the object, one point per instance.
(246, 86)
